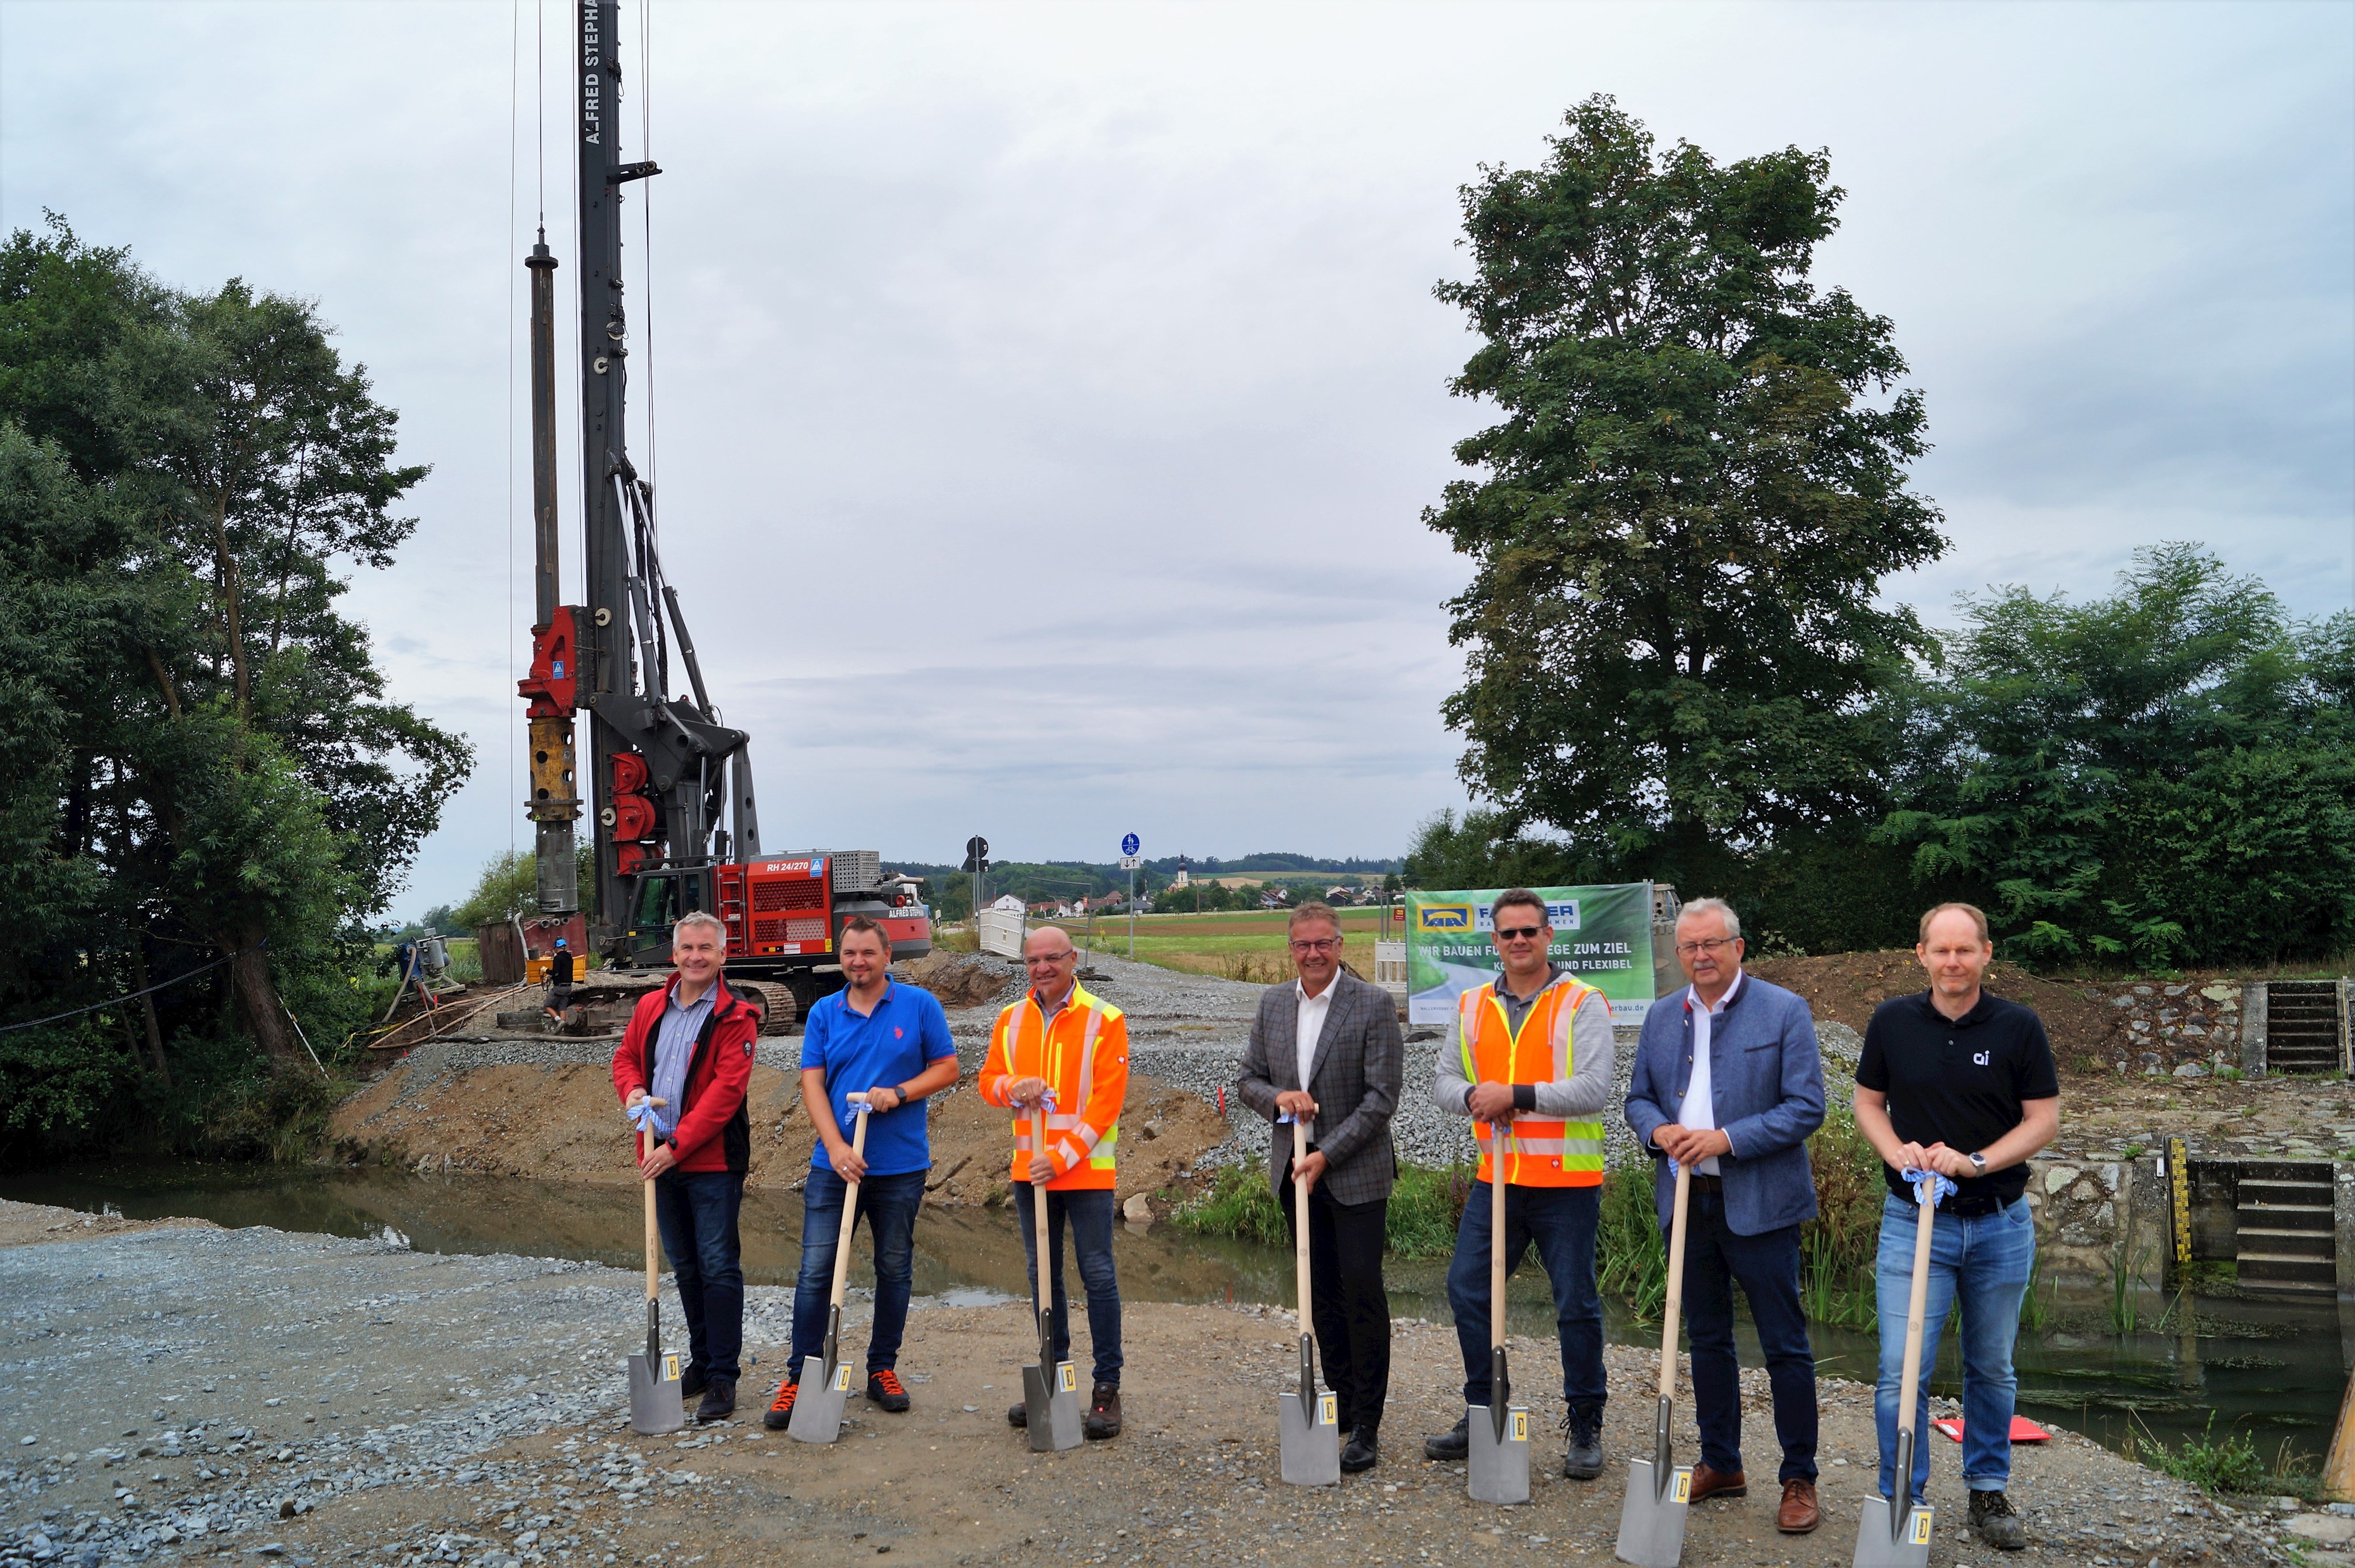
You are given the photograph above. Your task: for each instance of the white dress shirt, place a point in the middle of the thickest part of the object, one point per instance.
(1700, 1108)
(1309, 1022)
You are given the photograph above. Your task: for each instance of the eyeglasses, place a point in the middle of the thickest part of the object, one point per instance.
(1050, 960)
(1695, 949)
(1517, 933)
(1317, 944)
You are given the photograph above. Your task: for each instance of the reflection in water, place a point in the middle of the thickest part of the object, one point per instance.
(2271, 1369)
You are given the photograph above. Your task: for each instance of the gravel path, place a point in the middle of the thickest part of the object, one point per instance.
(177, 1392)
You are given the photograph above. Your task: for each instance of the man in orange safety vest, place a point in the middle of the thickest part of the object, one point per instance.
(1063, 1047)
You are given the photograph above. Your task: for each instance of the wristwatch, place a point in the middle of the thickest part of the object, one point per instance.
(1979, 1163)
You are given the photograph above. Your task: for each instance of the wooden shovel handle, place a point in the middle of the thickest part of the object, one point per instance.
(1039, 1202)
(849, 1209)
(654, 1231)
(1500, 1137)
(1675, 1301)
(1917, 1303)
(1300, 1217)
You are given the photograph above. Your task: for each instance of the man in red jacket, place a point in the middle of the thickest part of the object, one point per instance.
(681, 1068)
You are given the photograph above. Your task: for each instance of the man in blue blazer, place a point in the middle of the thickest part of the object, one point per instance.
(1728, 1081)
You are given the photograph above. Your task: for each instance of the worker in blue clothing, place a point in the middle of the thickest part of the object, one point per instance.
(888, 1040)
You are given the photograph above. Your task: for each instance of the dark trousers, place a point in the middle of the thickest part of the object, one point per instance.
(697, 1212)
(1089, 1213)
(1351, 1312)
(1559, 1221)
(887, 1206)
(1767, 1267)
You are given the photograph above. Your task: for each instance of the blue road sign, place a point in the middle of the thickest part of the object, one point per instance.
(1128, 845)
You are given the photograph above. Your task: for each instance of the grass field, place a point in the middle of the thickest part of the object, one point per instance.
(1238, 946)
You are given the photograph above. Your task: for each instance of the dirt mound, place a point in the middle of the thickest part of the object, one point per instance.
(958, 980)
(1848, 986)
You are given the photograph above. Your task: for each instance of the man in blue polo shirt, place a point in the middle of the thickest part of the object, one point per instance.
(891, 1042)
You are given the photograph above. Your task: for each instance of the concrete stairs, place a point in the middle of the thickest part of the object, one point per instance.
(2302, 1025)
(2285, 1234)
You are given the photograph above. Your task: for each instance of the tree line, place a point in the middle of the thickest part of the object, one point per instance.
(205, 793)
(1679, 664)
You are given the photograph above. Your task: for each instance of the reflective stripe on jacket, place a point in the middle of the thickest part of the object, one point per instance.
(1543, 1153)
(1083, 1057)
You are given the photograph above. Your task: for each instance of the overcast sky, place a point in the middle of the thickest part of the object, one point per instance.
(1047, 396)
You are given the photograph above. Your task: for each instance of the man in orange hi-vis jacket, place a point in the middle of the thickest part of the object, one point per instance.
(1063, 1047)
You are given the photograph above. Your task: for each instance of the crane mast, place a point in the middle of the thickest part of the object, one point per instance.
(669, 787)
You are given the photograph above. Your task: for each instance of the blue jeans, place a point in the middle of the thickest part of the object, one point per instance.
(1767, 1265)
(888, 1205)
(1981, 1265)
(1090, 1216)
(1561, 1222)
(696, 1211)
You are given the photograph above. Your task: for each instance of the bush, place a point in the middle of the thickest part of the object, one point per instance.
(2229, 1463)
(1425, 1207)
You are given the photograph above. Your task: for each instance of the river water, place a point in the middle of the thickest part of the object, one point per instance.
(2273, 1369)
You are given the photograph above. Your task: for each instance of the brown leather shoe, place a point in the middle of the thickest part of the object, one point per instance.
(1708, 1483)
(1798, 1513)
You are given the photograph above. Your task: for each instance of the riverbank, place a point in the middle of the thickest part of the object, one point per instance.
(191, 1391)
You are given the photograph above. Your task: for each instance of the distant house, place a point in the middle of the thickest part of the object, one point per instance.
(1271, 898)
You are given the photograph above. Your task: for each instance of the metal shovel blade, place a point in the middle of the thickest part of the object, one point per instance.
(655, 1404)
(817, 1409)
(1056, 1394)
(1652, 1519)
(1311, 1439)
(1497, 1468)
(1881, 1541)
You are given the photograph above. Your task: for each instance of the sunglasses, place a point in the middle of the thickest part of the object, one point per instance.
(1517, 933)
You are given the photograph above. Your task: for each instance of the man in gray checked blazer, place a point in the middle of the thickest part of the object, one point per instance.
(1327, 1048)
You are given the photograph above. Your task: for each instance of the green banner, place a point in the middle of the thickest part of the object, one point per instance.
(1601, 934)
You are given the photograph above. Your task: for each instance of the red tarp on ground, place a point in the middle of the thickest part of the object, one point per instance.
(2022, 1430)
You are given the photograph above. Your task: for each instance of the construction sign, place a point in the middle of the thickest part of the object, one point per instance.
(1601, 934)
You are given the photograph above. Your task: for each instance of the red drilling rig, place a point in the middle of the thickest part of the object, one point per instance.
(672, 812)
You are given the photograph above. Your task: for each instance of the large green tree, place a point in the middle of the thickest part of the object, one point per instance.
(2167, 773)
(199, 766)
(1679, 522)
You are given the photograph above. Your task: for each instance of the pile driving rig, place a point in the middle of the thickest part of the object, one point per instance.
(673, 818)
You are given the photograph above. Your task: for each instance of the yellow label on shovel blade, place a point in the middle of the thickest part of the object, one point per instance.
(1921, 1530)
(842, 1378)
(670, 1367)
(1068, 1378)
(1520, 1426)
(1328, 1411)
(1682, 1490)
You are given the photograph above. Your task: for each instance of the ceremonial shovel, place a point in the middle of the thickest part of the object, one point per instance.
(1499, 1461)
(1888, 1535)
(825, 1380)
(1652, 1519)
(655, 1404)
(1307, 1422)
(1050, 1391)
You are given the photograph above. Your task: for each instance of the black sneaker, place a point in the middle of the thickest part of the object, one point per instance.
(719, 1401)
(1362, 1452)
(780, 1411)
(884, 1389)
(1998, 1521)
(1583, 1459)
(1452, 1445)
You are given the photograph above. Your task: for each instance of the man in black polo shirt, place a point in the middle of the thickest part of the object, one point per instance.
(1960, 1083)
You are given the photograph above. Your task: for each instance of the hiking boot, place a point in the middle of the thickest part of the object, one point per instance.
(719, 1401)
(1583, 1459)
(883, 1388)
(1998, 1521)
(1103, 1413)
(1709, 1483)
(1363, 1451)
(1800, 1511)
(781, 1410)
(1452, 1445)
(1017, 1415)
